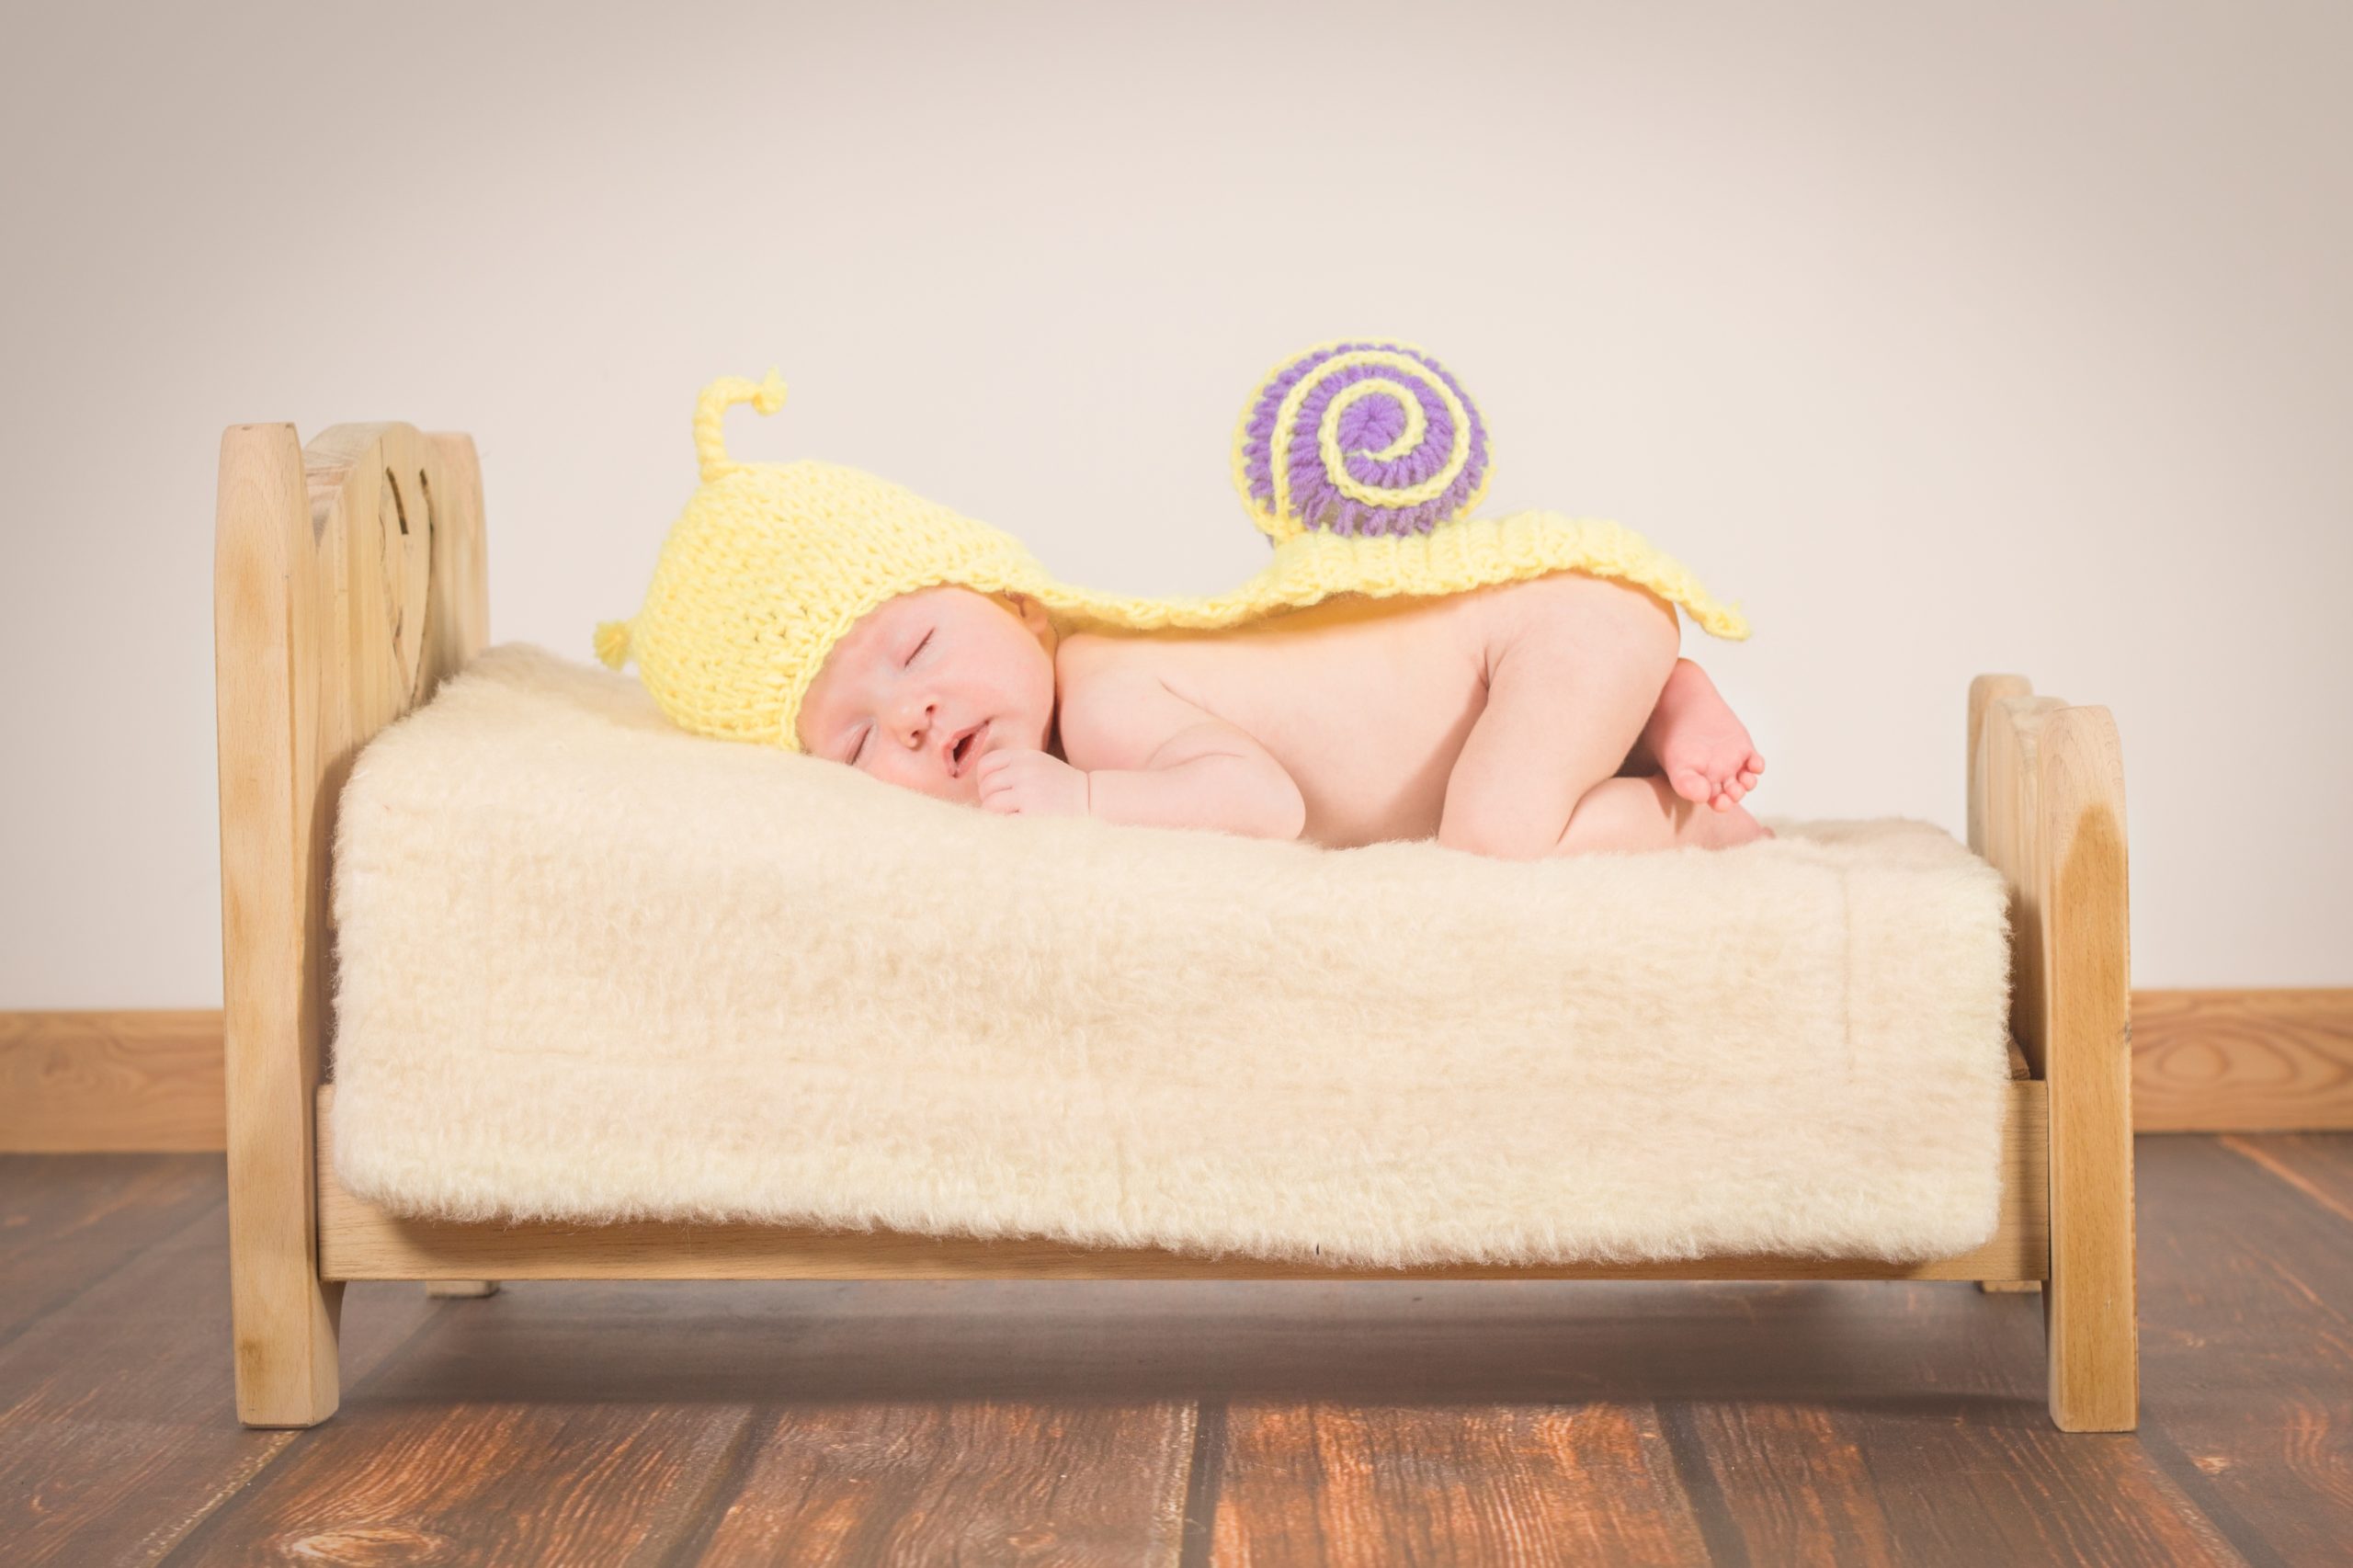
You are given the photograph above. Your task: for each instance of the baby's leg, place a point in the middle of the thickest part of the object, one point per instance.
(1567, 699)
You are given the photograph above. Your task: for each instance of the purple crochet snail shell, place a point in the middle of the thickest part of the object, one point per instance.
(1362, 438)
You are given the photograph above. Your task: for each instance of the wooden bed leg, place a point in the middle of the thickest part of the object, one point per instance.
(461, 1288)
(2089, 1316)
(287, 1320)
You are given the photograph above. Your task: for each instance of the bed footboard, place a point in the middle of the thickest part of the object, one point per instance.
(2046, 806)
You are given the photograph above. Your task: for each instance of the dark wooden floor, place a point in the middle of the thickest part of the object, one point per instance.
(1182, 1422)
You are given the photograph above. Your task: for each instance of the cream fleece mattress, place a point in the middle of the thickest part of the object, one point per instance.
(592, 968)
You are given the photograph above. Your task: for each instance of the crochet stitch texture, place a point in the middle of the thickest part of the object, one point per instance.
(770, 564)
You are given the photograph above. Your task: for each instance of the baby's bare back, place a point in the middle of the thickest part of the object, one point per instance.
(1366, 702)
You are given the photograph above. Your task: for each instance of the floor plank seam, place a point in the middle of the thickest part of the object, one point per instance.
(2238, 1145)
(1727, 1546)
(726, 1484)
(2201, 1500)
(159, 1545)
(9, 1335)
(1204, 1468)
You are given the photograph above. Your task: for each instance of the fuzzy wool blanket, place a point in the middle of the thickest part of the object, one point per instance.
(593, 968)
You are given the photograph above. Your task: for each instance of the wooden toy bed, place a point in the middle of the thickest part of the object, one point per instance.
(349, 582)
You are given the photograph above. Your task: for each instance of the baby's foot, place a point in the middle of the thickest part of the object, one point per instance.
(1702, 749)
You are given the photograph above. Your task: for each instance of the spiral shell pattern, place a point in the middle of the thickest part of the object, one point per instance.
(1362, 438)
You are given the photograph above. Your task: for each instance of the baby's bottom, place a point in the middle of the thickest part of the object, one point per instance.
(1567, 700)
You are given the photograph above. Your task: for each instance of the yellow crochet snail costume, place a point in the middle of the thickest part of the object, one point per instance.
(1360, 460)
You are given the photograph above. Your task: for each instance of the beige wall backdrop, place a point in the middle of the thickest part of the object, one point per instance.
(1991, 339)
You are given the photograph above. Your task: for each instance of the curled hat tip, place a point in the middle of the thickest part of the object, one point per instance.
(612, 643)
(710, 409)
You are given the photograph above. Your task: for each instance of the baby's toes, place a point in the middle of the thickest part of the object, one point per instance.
(1692, 784)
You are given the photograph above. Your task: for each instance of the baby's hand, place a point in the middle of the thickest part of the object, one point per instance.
(1032, 783)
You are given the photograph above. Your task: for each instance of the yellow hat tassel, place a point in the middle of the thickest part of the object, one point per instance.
(712, 407)
(612, 643)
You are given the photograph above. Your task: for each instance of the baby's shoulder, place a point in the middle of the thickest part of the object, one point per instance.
(1089, 666)
(1080, 655)
(1094, 655)
(1112, 709)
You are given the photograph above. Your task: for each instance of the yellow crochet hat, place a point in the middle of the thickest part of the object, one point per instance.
(1358, 460)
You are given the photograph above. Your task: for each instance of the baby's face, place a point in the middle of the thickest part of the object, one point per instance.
(918, 673)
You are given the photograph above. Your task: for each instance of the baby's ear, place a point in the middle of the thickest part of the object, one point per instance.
(1032, 612)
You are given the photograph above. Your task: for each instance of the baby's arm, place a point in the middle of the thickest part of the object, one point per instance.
(1194, 770)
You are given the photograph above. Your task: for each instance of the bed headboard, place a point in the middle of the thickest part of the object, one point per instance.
(348, 582)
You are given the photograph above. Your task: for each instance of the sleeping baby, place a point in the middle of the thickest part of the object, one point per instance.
(1402, 668)
(1545, 716)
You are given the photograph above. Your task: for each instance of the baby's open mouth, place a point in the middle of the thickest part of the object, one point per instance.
(967, 745)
